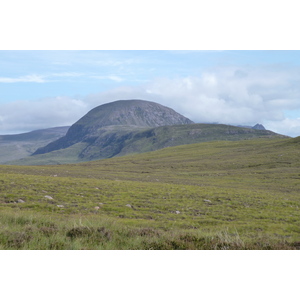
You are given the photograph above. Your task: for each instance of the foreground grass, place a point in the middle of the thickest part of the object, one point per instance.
(27, 231)
(221, 195)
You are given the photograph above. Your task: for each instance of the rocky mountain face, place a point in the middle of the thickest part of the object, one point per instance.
(125, 116)
(132, 112)
(259, 127)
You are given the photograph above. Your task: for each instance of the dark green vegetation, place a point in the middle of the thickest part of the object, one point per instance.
(16, 146)
(212, 195)
(114, 141)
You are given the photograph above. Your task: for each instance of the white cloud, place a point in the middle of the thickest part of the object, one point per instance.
(110, 77)
(38, 78)
(27, 78)
(67, 74)
(240, 96)
(116, 62)
(288, 126)
(22, 116)
(231, 95)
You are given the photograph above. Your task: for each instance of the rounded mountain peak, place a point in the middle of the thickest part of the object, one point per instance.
(122, 114)
(132, 113)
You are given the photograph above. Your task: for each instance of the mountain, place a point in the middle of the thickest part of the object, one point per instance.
(259, 127)
(256, 126)
(16, 146)
(132, 126)
(124, 116)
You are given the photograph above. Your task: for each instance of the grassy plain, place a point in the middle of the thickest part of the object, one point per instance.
(214, 195)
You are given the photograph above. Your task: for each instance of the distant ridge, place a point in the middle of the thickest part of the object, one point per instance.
(256, 127)
(48, 133)
(17, 146)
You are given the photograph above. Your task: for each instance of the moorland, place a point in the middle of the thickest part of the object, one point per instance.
(240, 194)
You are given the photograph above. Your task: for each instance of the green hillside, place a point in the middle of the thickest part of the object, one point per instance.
(212, 195)
(114, 141)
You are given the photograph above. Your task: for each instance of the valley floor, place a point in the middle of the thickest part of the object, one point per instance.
(215, 195)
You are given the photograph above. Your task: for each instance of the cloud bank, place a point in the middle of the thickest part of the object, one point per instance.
(231, 95)
(24, 116)
(228, 95)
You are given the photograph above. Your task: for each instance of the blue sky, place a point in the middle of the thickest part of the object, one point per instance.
(29, 75)
(41, 89)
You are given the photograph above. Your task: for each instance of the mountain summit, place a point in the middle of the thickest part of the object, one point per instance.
(127, 115)
(259, 127)
(134, 113)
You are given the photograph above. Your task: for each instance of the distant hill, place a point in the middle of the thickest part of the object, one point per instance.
(256, 126)
(132, 126)
(16, 146)
(125, 116)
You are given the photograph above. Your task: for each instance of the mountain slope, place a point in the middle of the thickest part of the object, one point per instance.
(119, 143)
(16, 146)
(129, 115)
(170, 136)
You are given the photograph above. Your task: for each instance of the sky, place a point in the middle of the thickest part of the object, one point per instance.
(42, 89)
